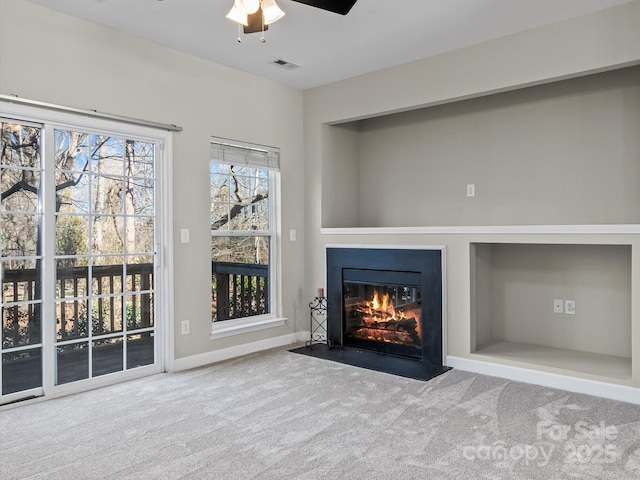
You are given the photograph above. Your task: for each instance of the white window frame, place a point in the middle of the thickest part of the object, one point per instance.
(52, 117)
(274, 318)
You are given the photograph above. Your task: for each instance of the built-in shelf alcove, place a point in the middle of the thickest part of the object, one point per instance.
(513, 288)
(561, 153)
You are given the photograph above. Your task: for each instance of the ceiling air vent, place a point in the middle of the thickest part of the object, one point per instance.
(285, 64)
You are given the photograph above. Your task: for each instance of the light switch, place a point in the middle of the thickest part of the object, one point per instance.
(184, 235)
(570, 307)
(471, 190)
(292, 235)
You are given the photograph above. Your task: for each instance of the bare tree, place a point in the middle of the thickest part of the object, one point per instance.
(240, 198)
(240, 203)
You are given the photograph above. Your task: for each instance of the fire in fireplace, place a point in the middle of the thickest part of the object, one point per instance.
(383, 317)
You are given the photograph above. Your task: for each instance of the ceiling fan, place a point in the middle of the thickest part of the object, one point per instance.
(336, 6)
(256, 15)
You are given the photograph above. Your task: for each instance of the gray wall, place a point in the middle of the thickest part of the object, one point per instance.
(55, 58)
(435, 91)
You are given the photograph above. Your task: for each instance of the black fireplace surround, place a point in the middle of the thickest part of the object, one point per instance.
(415, 272)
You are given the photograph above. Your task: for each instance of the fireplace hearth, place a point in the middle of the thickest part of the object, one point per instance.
(385, 310)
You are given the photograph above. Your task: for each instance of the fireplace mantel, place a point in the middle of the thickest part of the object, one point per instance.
(618, 229)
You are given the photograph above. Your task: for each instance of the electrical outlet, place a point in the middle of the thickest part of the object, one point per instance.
(185, 327)
(558, 305)
(570, 307)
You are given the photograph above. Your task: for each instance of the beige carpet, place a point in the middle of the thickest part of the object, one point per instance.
(279, 415)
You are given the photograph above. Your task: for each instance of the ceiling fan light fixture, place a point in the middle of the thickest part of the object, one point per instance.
(248, 6)
(255, 15)
(237, 15)
(271, 11)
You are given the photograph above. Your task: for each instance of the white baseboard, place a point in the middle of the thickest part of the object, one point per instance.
(612, 391)
(214, 356)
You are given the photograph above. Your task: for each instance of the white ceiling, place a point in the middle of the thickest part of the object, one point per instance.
(328, 47)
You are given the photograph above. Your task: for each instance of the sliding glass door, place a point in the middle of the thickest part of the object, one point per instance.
(78, 251)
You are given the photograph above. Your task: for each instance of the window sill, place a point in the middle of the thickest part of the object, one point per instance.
(239, 326)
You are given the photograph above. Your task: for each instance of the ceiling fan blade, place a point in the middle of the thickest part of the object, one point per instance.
(336, 6)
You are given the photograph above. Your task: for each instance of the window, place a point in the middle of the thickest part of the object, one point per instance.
(243, 236)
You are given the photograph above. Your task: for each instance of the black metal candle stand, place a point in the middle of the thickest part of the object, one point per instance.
(318, 322)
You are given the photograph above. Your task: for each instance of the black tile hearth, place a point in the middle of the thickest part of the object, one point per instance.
(371, 360)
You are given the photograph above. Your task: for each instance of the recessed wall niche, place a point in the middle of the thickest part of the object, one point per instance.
(563, 153)
(513, 288)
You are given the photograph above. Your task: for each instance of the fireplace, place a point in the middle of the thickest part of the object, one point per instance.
(385, 309)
